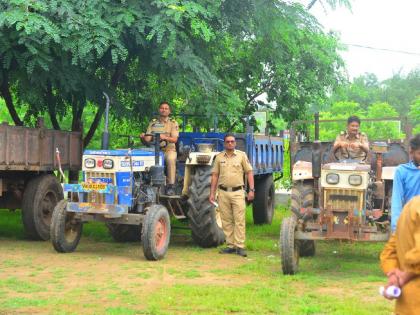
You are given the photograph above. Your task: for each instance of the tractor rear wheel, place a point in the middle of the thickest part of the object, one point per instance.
(289, 247)
(206, 231)
(124, 233)
(303, 197)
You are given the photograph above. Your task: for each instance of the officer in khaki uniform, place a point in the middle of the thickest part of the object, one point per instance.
(352, 144)
(230, 168)
(168, 138)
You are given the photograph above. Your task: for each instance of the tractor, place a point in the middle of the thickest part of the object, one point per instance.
(333, 199)
(124, 189)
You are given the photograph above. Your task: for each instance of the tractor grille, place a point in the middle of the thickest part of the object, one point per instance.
(343, 199)
(95, 197)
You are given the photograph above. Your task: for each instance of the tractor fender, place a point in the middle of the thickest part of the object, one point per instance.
(302, 170)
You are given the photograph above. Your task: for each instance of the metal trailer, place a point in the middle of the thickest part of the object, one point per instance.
(265, 154)
(28, 160)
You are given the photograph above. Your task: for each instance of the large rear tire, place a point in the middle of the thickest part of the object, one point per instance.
(289, 247)
(40, 197)
(303, 197)
(124, 233)
(263, 204)
(156, 232)
(66, 230)
(205, 229)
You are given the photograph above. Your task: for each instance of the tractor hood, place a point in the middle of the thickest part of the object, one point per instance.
(347, 167)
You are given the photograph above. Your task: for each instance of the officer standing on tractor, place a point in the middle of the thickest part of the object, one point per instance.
(230, 167)
(352, 144)
(168, 138)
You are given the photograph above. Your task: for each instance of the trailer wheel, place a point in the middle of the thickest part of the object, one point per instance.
(40, 197)
(124, 233)
(156, 232)
(263, 204)
(206, 230)
(66, 230)
(289, 247)
(303, 197)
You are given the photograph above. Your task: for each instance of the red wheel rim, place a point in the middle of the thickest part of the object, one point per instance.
(161, 232)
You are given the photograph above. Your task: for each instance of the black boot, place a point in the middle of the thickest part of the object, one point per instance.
(241, 252)
(170, 191)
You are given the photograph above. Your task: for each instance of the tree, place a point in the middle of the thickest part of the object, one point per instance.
(401, 91)
(207, 57)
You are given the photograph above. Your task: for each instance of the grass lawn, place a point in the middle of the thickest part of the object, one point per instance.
(104, 277)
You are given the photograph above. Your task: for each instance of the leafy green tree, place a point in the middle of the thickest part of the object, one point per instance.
(401, 91)
(206, 57)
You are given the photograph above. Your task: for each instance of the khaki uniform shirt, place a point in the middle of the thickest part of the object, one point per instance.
(350, 153)
(403, 252)
(168, 127)
(231, 169)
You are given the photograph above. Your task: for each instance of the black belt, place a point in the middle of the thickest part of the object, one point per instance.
(231, 188)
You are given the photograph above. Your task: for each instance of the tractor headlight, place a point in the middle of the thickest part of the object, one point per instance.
(333, 178)
(90, 163)
(355, 180)
(108, 164)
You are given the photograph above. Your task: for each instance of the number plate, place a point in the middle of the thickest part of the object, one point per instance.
(93, 186)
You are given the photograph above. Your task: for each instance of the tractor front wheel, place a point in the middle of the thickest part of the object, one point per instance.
(156, 232)
(66, 230)
(289, 247)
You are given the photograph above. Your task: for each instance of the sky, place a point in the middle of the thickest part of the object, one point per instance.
(387, 24)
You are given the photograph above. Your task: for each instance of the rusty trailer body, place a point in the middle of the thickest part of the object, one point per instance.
(27, 163)
(338, 200)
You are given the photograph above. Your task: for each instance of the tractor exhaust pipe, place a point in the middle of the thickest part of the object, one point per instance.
(316, 151)
(105, 134)
(316, 158)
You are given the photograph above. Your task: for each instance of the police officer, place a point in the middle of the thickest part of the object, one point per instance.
(351, 144)
(168, 138)
(230, 168)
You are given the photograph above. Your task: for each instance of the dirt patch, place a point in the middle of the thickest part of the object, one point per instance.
(105, 270)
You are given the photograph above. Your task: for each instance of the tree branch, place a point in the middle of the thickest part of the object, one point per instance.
(51, 107)
(262, 89)
(311, 4)
(94, 126)
(5, 92)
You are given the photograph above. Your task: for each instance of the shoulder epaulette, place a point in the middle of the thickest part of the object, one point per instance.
(342, 133)
(363, 134)
(154, 120)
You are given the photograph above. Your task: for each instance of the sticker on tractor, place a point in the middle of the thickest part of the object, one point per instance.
(135, 163)
(93, 186)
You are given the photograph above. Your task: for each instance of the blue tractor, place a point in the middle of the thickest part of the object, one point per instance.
(124, 189)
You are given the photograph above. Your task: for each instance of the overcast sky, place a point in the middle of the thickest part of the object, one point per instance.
(388, 24)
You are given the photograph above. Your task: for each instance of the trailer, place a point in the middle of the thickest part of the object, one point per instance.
(28, 159)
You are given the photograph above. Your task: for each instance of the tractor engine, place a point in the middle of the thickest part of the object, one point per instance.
(344, 195)
(124, 180)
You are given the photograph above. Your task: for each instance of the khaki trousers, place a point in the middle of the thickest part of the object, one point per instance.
(232, 212)
(170, 161)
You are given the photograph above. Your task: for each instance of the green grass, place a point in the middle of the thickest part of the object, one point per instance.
(104, 277)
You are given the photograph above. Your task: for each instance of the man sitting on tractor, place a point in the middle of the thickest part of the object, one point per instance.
(168, 139)
(351, 144)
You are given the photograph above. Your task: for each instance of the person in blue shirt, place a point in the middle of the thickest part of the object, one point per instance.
(406, 183)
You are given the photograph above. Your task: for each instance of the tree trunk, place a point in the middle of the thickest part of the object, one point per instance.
(51, 107)
(5, 92)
